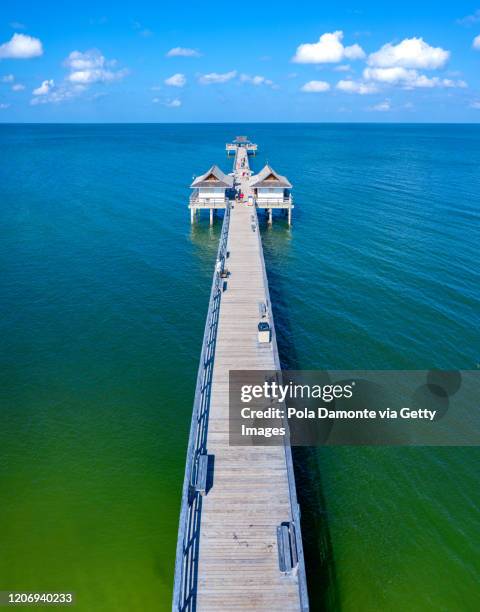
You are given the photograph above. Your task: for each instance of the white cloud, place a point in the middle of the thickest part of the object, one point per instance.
(389, 75)
(316, 86)
(176, 80)
(56, 95)
(8, 78)
(183, 52)
(409, 79)
(94, 76)
(255, 80)
(343, 68)
(215, 77)
(21, 46)
(476, 42)
(410, 53)
(4, 106)
(475, 104)
(329, 49)
(356, 87)
(18, 87)
(382, 106)
(429, 82)
(44, 88)
(175, 103)
(85, 61)
(91, 67)
(86, 68)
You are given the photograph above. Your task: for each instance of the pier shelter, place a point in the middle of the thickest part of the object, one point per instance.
(272, 190)
(211, 191)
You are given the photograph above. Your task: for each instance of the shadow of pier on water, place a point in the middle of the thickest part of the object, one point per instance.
(317, 543)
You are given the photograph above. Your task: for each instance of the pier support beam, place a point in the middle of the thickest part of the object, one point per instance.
(270, 216)
(211, 216)
(290, 216)
(192, 215)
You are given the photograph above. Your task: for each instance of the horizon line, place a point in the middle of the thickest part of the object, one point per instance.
(470, 123)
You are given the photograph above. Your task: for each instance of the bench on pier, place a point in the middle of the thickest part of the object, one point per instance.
(287, 549)
(262, 310)
(202, 472)
(201, 482)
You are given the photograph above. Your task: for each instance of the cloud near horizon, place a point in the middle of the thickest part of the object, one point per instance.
(215, 77)
(91, 67)
(316, 87)
(382, 106)
(328, 67)
(409, 79)
(356, 87)
(399, 65)
(409, 53)
(329, 49)
(44, 88)
(256, 80)
(55, 94)
(86, 69)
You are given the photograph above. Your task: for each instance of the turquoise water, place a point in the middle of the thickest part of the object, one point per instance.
(104, 288)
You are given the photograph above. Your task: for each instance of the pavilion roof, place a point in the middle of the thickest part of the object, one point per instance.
(267, 177)
(213, 178)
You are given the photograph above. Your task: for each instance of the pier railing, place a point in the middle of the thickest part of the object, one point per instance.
(232, 147)
(274, 202)
(186, 563)
(198, 202)
(292, 491)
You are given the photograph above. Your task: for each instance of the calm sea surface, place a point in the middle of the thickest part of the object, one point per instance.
(104, 286)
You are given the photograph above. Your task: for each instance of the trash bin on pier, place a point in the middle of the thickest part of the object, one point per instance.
(263, 332)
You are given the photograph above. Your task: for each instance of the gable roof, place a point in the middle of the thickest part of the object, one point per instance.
(213, 178)
(267, 177)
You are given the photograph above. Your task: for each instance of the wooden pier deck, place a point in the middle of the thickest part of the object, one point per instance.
(233, 536)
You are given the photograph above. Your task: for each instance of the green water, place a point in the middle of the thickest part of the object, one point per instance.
(104, 289)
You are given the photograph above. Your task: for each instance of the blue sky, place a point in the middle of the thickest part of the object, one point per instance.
(220, 62)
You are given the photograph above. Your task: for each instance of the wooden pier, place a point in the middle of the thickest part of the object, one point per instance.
(239, 515)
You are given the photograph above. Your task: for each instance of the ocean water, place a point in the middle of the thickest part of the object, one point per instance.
(104, 286)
